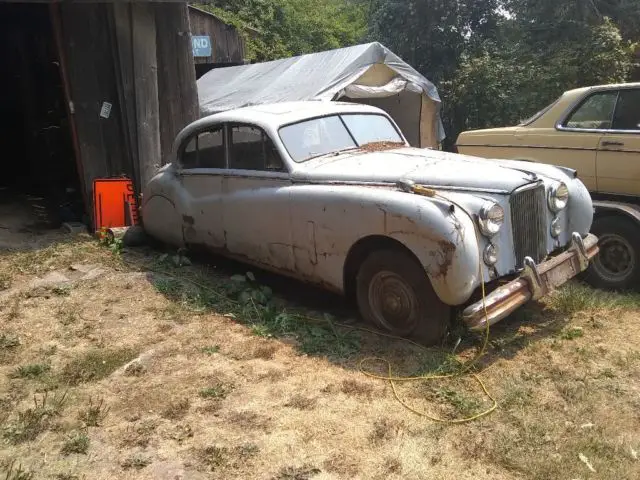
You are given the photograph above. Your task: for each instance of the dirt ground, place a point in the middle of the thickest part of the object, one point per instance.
(136, 365)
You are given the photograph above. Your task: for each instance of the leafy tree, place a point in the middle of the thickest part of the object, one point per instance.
(282, 28)
(494, 62)
(433, 35)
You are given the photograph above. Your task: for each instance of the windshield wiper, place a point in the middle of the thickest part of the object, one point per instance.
(333, 153)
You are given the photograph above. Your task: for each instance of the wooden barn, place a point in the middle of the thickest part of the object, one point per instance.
(215, 43)
(89, 90)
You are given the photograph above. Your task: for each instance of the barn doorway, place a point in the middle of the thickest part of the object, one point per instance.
(40, 184)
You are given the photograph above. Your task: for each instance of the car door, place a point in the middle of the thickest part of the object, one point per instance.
(618, 159)
(202, 160)
(578, 136)
(256, 200)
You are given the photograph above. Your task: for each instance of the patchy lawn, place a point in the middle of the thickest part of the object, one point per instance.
(139, 368)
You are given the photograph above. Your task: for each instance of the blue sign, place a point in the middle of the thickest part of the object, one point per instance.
(201, 45)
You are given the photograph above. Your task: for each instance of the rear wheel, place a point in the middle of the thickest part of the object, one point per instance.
(616, 266)
(395, 294)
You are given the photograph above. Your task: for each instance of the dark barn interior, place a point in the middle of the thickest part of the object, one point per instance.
(38, 163)
(90, 90)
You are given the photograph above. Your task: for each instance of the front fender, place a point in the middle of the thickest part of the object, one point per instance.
(329, 219)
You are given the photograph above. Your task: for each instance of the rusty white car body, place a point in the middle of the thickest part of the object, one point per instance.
(332, 194)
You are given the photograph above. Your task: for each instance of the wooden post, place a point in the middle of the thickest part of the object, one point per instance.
(122, 29)
(56, 23)
(145, 69)
(176, 73)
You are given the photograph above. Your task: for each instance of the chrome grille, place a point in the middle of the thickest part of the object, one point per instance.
(528, 218)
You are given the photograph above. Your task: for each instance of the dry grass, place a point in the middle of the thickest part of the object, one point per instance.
(226, 393)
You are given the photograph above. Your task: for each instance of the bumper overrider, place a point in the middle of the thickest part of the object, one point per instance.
(534, 282)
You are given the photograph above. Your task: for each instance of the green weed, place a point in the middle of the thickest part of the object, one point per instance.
(253, 304)
(572, 333)
(94, 414)
(217, 391)
(31, 371)
(8, 341)
(463, 404)
(95, 365)
(136, 461)
(5, 281)
(77, 442)
(210, 350)
(577, 297)
(17, 473)
(33, 421)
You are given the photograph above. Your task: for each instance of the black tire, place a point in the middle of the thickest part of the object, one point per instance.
(412, 309)
(616, 267)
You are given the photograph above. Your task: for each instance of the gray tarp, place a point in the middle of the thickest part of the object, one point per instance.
(368, 73)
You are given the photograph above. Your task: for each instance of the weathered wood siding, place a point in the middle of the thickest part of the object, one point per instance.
(176, 74)
(227, 43)
(138, 58)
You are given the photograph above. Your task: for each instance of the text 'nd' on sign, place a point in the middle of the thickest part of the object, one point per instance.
(201, 45)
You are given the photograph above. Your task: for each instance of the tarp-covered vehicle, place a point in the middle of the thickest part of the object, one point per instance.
(332, 194)
(369, 74)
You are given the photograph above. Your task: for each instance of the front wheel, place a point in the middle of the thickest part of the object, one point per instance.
(616, 265)
(395, 294)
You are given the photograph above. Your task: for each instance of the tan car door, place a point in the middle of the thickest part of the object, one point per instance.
(618, 158)
(578, 137)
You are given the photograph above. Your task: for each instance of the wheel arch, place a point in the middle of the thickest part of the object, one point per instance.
(606, 208)
(360, 250)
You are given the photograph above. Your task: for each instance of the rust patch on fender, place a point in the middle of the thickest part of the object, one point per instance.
(446, 258)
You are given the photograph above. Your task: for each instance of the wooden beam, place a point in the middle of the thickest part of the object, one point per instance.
(145, 69)
(176, 74)
(122, 29)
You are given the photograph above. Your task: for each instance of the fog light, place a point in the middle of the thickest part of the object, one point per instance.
(490, 255)
(556, 228)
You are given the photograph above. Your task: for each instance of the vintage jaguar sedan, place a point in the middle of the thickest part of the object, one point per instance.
(332, 194)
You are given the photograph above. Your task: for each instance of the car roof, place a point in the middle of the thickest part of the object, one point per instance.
(611, 86)
(283, 113)
(275, 115)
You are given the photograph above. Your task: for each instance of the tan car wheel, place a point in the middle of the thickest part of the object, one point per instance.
(395, 294)
(616, 265)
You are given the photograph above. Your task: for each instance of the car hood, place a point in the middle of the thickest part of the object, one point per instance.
(424, 166)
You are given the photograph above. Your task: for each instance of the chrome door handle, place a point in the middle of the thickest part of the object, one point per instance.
(612, 144)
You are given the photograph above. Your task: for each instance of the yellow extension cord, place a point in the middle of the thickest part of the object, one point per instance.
(465, 371)
(392, 379)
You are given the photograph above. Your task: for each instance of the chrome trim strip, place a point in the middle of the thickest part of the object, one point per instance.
(542, 147)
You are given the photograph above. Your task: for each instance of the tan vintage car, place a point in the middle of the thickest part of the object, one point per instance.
(596, 132)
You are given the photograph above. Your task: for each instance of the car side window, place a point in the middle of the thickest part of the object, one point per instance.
(252, 149)
(627, 116)
(205, 150)
(595, 113)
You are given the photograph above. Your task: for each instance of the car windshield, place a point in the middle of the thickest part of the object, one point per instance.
(337, 133)
(533, 118)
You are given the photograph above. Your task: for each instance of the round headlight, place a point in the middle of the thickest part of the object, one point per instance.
(556, 228)
(558, 197)
(490, 255)
(490, 219)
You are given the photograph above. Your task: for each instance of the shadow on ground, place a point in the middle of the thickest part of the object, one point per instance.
(325, 324)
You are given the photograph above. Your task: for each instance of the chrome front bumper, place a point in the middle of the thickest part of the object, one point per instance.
(534, 282)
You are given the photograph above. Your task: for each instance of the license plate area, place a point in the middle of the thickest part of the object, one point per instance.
(560, 274)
